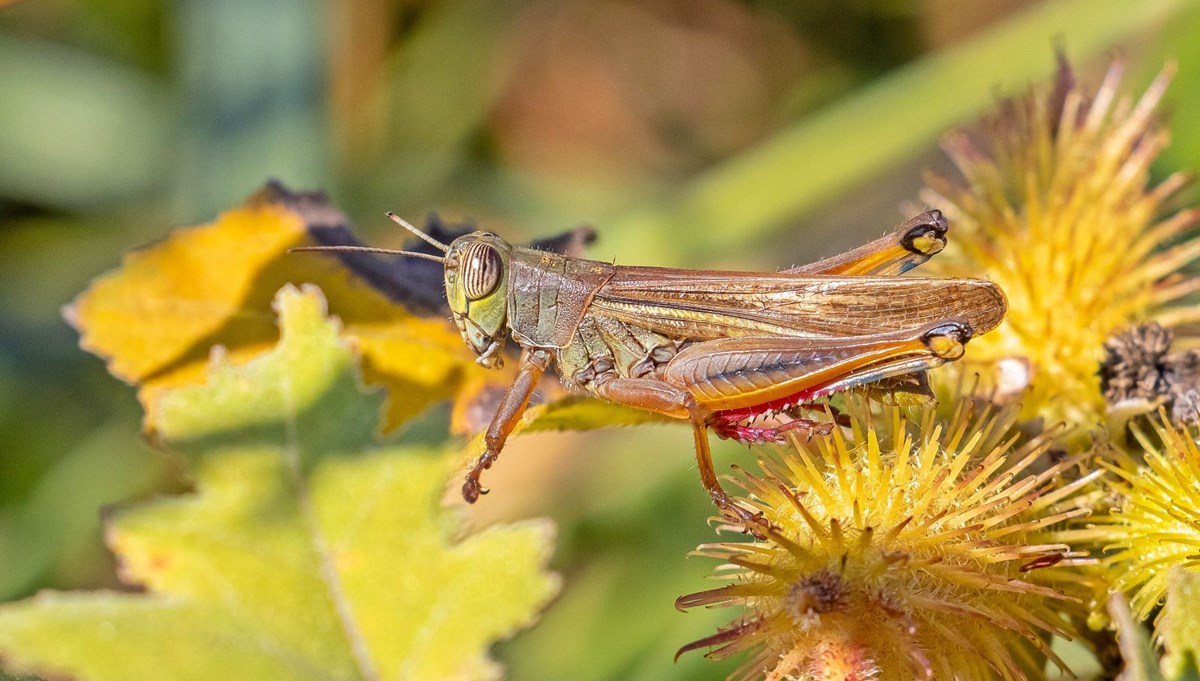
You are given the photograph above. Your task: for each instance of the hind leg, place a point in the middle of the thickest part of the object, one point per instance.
(660, 397)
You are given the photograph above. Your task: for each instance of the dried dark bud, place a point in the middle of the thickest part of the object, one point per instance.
(1133, 367)
(1140, 368)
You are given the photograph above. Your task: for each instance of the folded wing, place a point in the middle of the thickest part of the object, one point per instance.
(709, 304)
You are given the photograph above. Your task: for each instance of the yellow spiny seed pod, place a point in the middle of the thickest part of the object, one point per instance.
(1055, 206)
(910, 548)
(1153, 525)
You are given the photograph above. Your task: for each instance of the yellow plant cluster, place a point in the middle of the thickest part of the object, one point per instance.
(958, 542)
(1055, 206)
(913, 548)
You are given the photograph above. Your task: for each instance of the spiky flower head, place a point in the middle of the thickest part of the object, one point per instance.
(910, 548)
(1055, 206)
(1153, 526)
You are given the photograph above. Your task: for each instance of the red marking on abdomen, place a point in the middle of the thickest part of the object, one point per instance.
(728, 423)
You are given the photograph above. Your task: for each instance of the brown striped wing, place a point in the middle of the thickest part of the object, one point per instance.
(711, 304)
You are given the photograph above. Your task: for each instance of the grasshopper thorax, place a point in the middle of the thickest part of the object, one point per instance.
(477, 289)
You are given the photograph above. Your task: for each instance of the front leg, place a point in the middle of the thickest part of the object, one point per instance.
(657, 396)
(534, 362)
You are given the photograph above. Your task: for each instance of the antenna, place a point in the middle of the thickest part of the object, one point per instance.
(425, 237)
(369, 249)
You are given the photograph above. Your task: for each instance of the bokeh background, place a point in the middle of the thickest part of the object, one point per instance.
(722, 133)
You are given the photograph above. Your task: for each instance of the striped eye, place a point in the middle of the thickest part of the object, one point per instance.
(481, 269)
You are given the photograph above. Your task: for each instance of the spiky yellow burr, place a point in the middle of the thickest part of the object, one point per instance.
(908, 548)
(1153, 525)
(1055, 205)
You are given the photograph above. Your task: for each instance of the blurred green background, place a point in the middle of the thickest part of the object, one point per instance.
(726, 133)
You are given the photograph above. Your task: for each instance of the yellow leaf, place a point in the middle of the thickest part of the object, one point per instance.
(156, 318)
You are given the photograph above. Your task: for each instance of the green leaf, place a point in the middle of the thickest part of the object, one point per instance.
(573, 412)
(580, 412)
(1180, 628)
(1140, 661)
(306, 551)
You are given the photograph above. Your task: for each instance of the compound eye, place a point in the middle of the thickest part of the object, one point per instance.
(481, 270)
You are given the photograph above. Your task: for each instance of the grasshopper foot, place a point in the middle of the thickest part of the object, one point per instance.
(753, 523)
(472, 488)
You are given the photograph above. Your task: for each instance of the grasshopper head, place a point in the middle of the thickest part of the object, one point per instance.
(477, 289)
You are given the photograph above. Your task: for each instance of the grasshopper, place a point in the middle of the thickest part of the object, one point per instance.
(743, 354)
